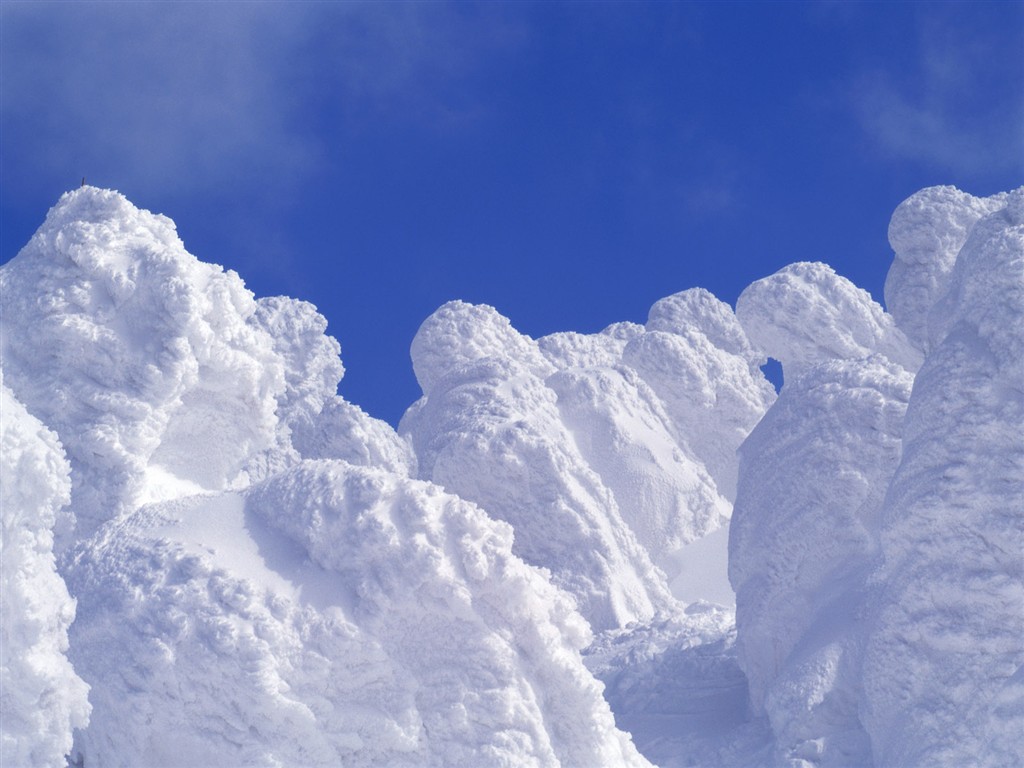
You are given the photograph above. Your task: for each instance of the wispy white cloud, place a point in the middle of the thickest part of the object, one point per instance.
(185, 95)
(176, 93)
(959, 105)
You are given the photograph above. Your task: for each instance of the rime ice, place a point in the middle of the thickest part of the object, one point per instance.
(209, 557)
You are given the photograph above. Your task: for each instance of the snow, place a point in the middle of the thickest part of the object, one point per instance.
(696, 357)
(942, 670)
(489, 430)
(135, 352)
(332, 614)
(805, 314)
(675, 684)
(209, 557)
(926, 233)
(876, 541)
(607, 453)
(41, 697)
(813, 475)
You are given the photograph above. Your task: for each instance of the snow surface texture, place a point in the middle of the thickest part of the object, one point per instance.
(153, 366)
(876, 545)
(41, 697)
(926, 233)
(331, 615)
(265, 575)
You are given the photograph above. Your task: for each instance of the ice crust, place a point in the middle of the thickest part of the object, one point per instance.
(209, 557)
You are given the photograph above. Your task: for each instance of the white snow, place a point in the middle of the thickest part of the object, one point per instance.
(210, 558)
(332, 614)
(876, 546)
(41, 697)
(926, 233)
(489, 429)
(943, 680)
(805, 314)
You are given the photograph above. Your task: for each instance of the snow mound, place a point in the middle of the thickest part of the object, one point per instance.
(569, 349)
(41, 697)
(695, 357)
(331, 615)
(943, 669)
(676, 686)
(926, 232)
(621, 430)
(876, 540)
(805, 314)
(262, 574)
(624, 439)
(149, 363)
(489, 430)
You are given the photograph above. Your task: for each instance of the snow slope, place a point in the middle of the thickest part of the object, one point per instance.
(805, 527)
(258, 579)
(147, 361)
(330, 615)
(489, 430)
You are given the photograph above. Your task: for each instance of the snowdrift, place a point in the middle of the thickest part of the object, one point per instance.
(209, 557)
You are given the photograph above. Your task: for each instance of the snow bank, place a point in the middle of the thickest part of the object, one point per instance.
(806, 314)
(943, 668)
(312, 421)
(42, 698)
(697, 359)
(265, 575)
(331, 615)
(621, 430)
(676, 686)
(489, 430)
(134, 353)
(805, 526)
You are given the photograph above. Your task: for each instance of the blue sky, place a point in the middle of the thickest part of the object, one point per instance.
(568, 163)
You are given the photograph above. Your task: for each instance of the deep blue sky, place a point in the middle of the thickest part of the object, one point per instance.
(567, 163)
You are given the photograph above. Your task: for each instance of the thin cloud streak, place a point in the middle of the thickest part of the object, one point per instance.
(960, 108)
(177, 95)
(185, 96)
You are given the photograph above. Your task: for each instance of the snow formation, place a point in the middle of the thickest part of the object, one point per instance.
(944, 662)
(41, 697)
(877, 546)
(606, 452)
(209, 557)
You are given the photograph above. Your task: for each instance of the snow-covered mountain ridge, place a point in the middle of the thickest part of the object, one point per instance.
(209, 557)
